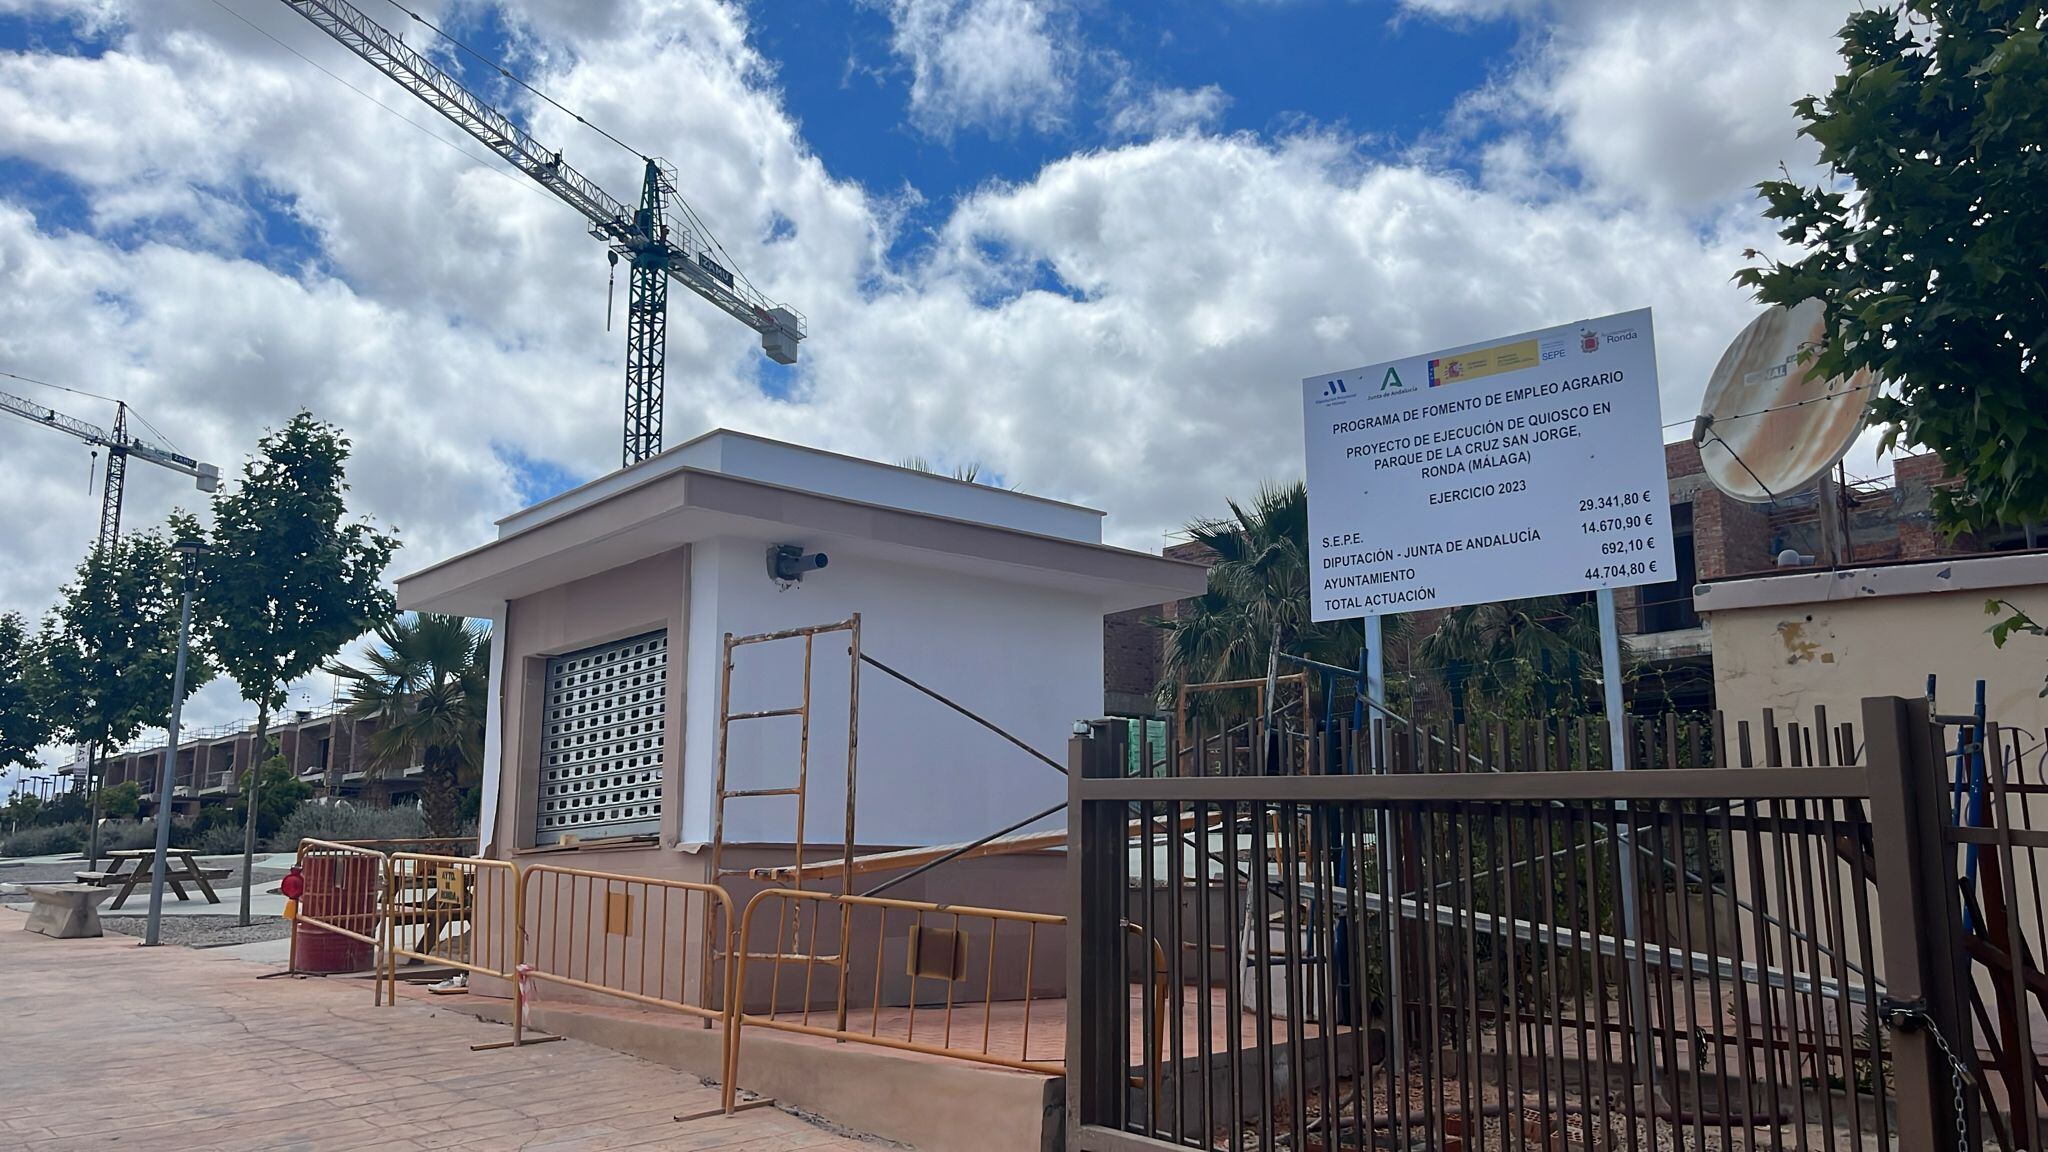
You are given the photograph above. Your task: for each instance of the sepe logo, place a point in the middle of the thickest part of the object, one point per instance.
(1589, 340)
(1553, 349)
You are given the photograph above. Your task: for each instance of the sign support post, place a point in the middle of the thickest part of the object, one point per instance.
(1617, 761)
(1387, 833)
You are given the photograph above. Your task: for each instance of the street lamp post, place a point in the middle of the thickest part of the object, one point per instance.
(192, 550)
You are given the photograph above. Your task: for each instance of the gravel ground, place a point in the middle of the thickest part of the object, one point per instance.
(203, 931)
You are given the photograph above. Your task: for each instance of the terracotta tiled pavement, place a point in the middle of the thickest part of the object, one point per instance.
(104, 1044)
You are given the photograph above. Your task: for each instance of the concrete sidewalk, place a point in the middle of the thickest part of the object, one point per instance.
(110, 1044)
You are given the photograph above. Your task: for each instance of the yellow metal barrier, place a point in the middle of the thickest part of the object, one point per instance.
(458, 911)
(344, 894)
(933, 951)
(922, 968)
(629, 936)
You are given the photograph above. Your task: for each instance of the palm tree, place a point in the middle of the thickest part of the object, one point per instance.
(1258, 596)
(426, 685)
(1514, 657)
(968, 473)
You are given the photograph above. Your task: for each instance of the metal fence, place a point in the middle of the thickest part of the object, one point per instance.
(1379, 939)
(1996, 832)
(630, 937)
(939, 979)
(345, 890)
(453, 911)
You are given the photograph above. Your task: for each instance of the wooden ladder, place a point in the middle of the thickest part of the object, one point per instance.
(799, 792)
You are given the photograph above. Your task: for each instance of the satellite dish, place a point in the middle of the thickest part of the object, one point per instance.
(1769, 426)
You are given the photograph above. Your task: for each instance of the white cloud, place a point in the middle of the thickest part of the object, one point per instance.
(1680, 105)
(1165, 111)
(452, 308)
(996, 65)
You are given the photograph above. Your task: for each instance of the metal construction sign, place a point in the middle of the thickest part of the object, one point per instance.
(1529, 466)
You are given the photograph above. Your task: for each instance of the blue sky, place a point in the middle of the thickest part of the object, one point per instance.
(1349, 64)
(1355, 66)
(1092, 247)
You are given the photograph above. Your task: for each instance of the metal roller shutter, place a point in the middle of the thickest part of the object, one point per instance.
(601, 740)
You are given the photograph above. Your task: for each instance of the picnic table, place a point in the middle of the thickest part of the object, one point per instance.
(180, 864)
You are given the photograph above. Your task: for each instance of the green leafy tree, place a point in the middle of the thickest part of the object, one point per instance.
(104, 656)
(23, 725)
(279, 792)
(290, 577)
(1258, 595)
(121, 801)
(24, 810)
(426, 685)
(1931, 263)
(2017, 619)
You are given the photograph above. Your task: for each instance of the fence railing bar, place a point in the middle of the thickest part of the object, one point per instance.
(1445, 915)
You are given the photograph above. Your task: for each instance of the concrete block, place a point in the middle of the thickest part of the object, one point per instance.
(66, 911)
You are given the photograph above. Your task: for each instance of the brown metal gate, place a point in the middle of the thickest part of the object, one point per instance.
(1380, 939)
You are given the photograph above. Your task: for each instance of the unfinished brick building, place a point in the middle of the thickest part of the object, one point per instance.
(1713, 536)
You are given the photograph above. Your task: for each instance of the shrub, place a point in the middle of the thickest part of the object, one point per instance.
(122, 835)
(331, 820)
(45, 841)
(219, 840)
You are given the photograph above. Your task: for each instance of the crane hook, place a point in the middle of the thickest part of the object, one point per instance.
(610, 287)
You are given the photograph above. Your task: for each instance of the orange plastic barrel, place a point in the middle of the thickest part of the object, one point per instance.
(341, 889)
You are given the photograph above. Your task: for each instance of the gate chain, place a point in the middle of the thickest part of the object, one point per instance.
(1955, 1079)
(1905, 1017)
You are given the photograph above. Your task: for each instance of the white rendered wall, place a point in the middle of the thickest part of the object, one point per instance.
(848, 478)
(1029, 659)
(494, 743)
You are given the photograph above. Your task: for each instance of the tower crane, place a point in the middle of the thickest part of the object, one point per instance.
(656, 247)
(120, 446)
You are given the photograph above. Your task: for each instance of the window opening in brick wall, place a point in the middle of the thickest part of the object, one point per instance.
(601, 719)
(1667, 607)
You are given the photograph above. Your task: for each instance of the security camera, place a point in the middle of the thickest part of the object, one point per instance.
(787, 563)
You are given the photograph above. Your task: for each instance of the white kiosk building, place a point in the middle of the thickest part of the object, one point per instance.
(610, 608)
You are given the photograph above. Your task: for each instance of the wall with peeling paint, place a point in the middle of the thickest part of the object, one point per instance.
(1791, 657)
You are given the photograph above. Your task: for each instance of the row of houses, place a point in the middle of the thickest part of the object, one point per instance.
(327, 749)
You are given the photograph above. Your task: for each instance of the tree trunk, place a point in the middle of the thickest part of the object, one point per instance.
(440, 796)
(92, 831)
(249, 816)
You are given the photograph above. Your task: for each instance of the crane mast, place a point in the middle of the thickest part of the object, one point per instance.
(115, 483)
(656, 249)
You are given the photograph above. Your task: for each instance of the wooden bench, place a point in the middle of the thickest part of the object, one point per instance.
(180, 868)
